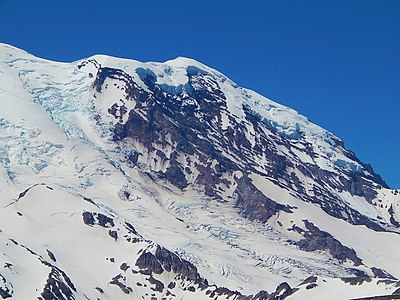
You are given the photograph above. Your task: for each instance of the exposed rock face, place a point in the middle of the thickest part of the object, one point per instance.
(253, 204)
(97, 219)
(158, 285)
(282, 292)
(358, 280)
(58, 286)
(119, 281)
(164, 259)
(316, 239)
(51, 255)
(381, 273)
(191, 138)
(150, 263)
(5, 291)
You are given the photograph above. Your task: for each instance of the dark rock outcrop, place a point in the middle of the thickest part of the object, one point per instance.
(88, 218)
(316, 239)
(309, 280)
(172, 262)
(58, 286)
(282, 292)
(5, 292)
(51, 255)
(113, 234)
(147, 261)
(181, 128)
(120, 281)
(165, 260)
(379, 273)
(91, 219)
(253, 204)
(158, 285)
(358, 280)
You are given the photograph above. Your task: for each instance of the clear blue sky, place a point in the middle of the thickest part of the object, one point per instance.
(337, 62)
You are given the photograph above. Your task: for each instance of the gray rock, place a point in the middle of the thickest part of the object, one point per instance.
(316, 239)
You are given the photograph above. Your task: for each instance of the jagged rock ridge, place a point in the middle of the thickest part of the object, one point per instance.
(189, 120)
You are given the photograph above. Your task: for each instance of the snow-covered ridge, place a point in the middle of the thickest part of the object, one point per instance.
(173, 75)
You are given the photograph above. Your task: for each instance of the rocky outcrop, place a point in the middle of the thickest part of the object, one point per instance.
(91, 219)
(120, 281)
(282, 292)
(183, 131)
(165, 260)
(158, 286)
(5, 291)
(148, 262)
(379, 273)
(58, 286)
(253, 204)
(316, 239)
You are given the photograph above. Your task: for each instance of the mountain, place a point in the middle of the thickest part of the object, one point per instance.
(128, 180)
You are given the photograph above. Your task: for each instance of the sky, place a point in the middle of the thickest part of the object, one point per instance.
(336, 62)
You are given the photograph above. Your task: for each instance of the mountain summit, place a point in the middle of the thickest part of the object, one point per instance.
(128, 180)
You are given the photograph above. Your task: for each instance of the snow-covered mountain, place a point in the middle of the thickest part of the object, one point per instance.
(129, 180)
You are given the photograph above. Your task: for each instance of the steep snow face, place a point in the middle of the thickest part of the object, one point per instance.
(130, 180)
